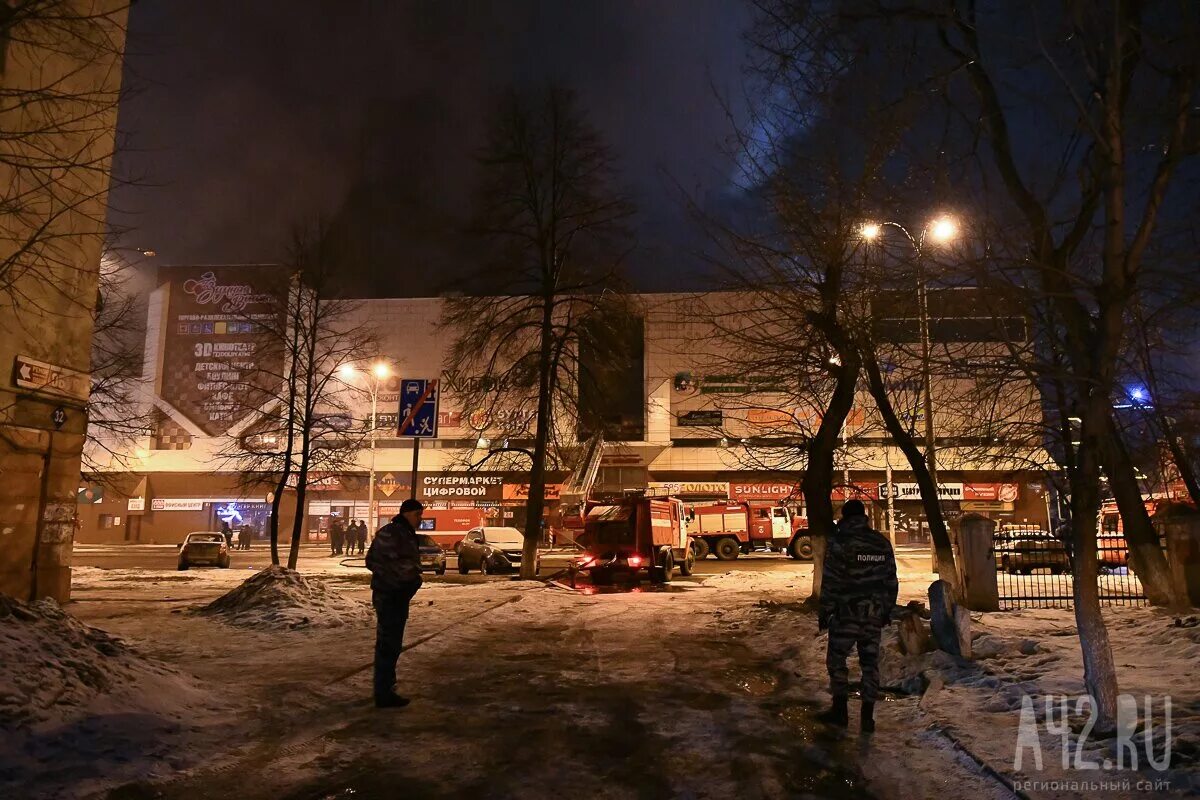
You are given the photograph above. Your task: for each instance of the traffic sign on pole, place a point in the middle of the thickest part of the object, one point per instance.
(418, 414)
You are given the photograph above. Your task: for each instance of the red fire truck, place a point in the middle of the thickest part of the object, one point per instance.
(634, 535)
(728, 529)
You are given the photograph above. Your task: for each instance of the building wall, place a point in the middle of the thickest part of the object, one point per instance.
(678, 341)
(59, 85)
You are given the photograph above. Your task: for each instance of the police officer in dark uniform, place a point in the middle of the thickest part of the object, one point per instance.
(858, 592)
(395, 563)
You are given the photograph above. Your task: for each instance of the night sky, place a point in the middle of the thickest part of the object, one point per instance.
(246, 117)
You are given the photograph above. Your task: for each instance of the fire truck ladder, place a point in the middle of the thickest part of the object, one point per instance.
(579, 485)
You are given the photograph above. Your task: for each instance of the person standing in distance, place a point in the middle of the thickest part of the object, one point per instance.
(858, 592)
(395, 564)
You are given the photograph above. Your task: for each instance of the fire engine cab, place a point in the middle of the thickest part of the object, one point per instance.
(635, 535)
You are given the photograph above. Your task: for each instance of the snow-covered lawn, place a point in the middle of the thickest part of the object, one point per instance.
(704, 689)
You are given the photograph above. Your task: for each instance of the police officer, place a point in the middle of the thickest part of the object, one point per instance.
(858, 592)
(395, 563)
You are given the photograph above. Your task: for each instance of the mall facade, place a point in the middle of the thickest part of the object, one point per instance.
(680, 414)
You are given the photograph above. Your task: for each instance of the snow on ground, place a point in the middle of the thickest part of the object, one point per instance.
(281, 598)
(972, 708)
(66, 687)
(705, 688)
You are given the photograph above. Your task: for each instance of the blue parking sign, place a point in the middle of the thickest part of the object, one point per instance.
(418, 412)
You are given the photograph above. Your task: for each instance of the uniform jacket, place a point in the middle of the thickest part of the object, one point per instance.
(394, 557)
(858, 579)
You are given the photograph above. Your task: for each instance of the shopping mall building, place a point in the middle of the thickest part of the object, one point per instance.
(679, 415)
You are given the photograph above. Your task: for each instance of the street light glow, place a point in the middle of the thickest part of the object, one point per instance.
(346, 372)
(871, 231)
(381, 370)
(943, 229)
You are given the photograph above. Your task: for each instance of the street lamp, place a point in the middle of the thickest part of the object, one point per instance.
(379, 372)
(940, 230)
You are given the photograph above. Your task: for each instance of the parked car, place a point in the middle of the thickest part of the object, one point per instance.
(1024, 549)
(492, 550)
(432, 555)
(204, 547)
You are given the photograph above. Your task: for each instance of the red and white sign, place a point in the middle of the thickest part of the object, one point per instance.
(693, 488)
(911, 491)
(43, 378)
(176, 504)
(1002, 492)
(765, 491)
(857, 491)
(520, 491)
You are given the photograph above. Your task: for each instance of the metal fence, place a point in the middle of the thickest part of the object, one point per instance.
(1033, 570)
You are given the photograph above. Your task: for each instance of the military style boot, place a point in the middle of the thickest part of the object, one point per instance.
(838, 713)
(867, 718)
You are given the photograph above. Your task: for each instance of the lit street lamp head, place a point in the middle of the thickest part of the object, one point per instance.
(943, 229)
(346, 372)
(381, 371)
(870, 231)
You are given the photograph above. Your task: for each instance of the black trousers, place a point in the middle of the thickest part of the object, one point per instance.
(391, 615)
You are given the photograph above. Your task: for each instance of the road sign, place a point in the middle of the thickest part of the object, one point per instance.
(42, 378)
(418, 408)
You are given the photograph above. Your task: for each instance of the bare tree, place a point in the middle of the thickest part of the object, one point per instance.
(57, 141)
(1081, 198)
(309, 427)
(819, 153)
(552, 218)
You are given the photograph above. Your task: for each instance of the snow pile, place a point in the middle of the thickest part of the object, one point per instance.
(279, 598)
(55, 667)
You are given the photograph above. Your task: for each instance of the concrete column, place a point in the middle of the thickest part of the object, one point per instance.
(977, 562)
(1182, 531)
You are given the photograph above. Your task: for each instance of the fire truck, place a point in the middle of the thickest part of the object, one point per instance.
(635, 535)
(728, 528)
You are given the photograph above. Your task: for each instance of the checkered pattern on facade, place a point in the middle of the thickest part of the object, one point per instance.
(170, 435)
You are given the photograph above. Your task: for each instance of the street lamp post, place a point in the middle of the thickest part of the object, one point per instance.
(379, 372)
(940, 230)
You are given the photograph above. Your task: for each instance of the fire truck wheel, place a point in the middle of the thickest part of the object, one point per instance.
(688, 565)
(727, 549)
(801, 548)
(700, 548)
(668, 567)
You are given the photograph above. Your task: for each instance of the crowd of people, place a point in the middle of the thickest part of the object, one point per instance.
(245, 535)
(343, 539)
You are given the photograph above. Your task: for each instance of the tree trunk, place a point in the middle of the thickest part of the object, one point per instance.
(536, 503)
(944, 550)
(1099, 671)
(293, 355)
(1146, 557)
(817, 483)
(298, 522)
(276, 502)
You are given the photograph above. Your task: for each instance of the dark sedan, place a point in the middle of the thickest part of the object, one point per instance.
(492, 550)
